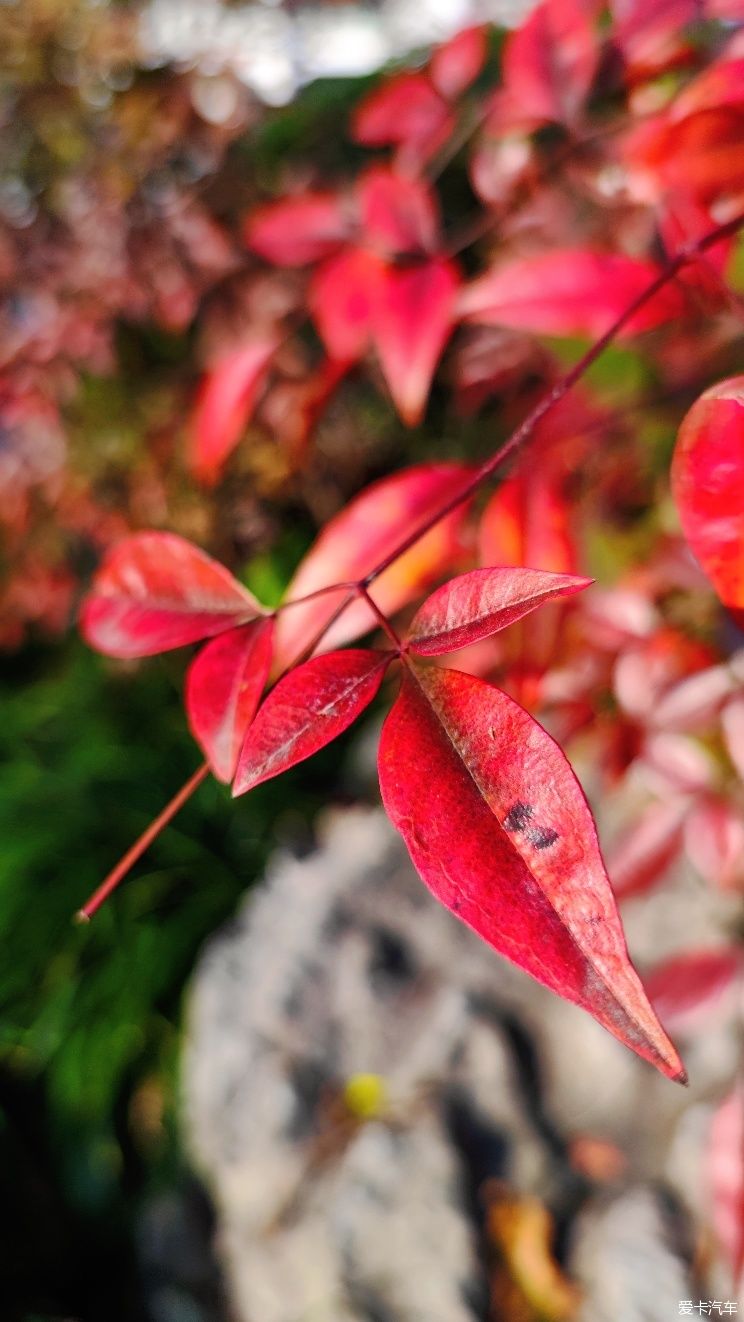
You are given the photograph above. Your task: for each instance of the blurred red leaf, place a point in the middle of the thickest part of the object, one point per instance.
(223, 689)
(732, 726)
(499, 829)
(457, 62)
(726, 1177)
(357, 539)
(569, 291)
(527, 521)
(405, 111)
(297, 230)
(708, 485)
(398, 214)
(155, 591)
(549, 64)
(647, 848)
(226, 401)
(714, 841)
(689, 986)
(341, 298)
(478, 604)
(412, 321)
(308, 708)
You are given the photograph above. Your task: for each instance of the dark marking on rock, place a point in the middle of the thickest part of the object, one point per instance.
(542, 837)
(518, 816)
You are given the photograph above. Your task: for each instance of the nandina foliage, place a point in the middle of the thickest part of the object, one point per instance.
(502, 213)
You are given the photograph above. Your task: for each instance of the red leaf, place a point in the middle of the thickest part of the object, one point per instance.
(732, 728)
(708, 485)
(726, 1177)
(647, 849)
(478, 604)
(649, 32)
(341, 297)
(688, 987)
(714, 840)
(293, 407)
(297, 230)
(499, 829)
(223, 689)
(457, 63)
(360, 537)
(699, 156)
(412, 321)
(405, 111)
(155, 591)
(568, 292)
(527, 522)
(549, 64)
(398, 214)
(308, 708)
(226, 401)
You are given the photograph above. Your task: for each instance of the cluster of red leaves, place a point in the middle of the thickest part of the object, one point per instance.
(604, 154)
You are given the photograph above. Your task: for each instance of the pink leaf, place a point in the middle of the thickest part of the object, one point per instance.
(360, 537)
(499, 829)
(412, 322)
(457, 63)
(732, 725)
(297, 230)
(714, 840)
(223, 689)
(155, 591)
(708, 485)
(225, 404)
(568, 292)
(341, 297)
(478, 604)
(404, 111)
(308, 708)
(398, 214)
(688, 988)
(726, 1177)
(646, 849)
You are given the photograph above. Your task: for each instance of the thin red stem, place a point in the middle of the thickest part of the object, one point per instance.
(117, 874)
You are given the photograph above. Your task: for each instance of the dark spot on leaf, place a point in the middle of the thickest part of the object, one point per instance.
(542, 837)
(517, 817)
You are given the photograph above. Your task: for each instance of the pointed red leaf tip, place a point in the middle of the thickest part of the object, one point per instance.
(308, 708)
(225, 403)
(297, 230)
(223, 689)
(341, 296)
(708, 486)
(499, 829)
(155, 591)
(457, 62)
(725, 1172)
(568, 292)
(478, 604)
(405, 111)
(549, 64)
(412, 321)
(398, 214)
(360, 537)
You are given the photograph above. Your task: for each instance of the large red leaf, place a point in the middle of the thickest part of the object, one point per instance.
(412, 321)
(360, 537)
(306, 710)
(478, 604)
(341, 296)
(726, 1177)
(548, 65)
(457, 63)
(499, 829)
(226, 401)
(398, 213)
(405, 111)
(570, 291)
(155, 591)
(297, 230)
(708, 486)
(223, 689)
